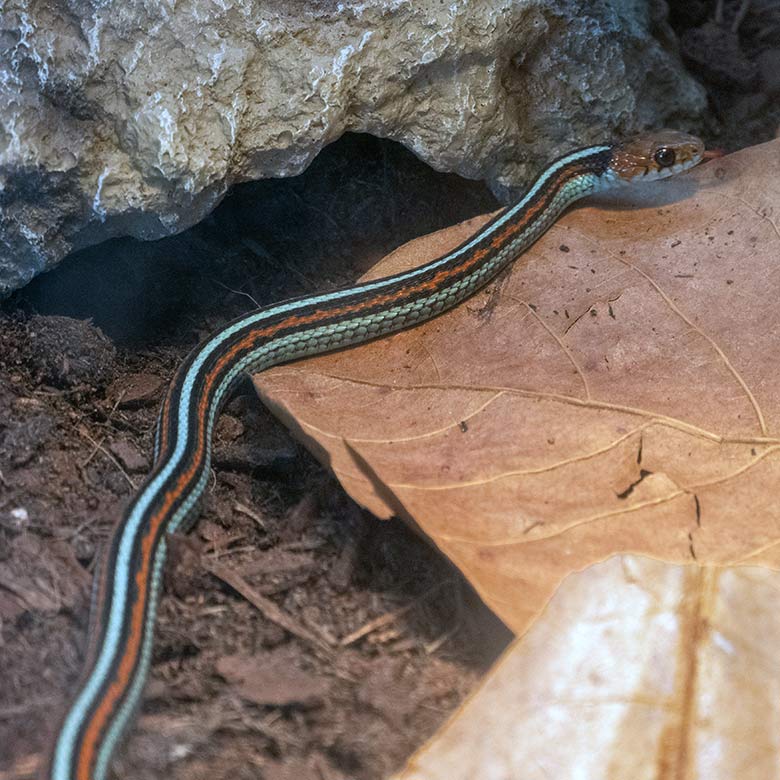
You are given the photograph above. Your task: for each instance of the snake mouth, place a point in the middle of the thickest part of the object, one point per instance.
(655, 155)
(684, 164)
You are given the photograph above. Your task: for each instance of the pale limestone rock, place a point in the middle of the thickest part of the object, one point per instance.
(134, 118)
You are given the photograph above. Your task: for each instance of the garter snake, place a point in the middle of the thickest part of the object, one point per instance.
(129, 575)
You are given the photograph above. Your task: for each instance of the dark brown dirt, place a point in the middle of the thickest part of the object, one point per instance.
(233, 694)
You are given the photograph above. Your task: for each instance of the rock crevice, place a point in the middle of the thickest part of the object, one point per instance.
(135, 118)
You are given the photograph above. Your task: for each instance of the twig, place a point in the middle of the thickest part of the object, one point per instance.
(264, 727)
(15, 710)
(24, 767)
(67, 536)
(442, 639)
(236, 292)
(389, 617)
(249, 512)
(258, 249)
(268, 608)
(99, 446)
(220, 547)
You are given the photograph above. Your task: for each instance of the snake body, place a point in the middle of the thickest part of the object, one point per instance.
(129, 575)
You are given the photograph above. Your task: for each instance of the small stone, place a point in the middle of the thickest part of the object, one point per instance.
(20, 517)
(129, 455)
(137, 390)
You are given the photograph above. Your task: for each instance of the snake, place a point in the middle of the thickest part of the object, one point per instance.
(128, 576)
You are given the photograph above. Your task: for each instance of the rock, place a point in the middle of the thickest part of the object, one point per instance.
(135, 118)
(769, 69)
(749, 106)
(67, 353)
(716, 53)
(133, 391)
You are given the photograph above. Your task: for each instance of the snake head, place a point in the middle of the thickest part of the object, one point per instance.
(655, 155)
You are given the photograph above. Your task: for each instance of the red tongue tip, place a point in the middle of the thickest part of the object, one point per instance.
(711, 154)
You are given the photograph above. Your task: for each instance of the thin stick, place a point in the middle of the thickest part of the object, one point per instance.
(99, 446)
(268, 608)
(389, 617)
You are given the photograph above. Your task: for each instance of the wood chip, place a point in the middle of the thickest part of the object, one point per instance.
(137, 390)
(129, 456)
(273, 679)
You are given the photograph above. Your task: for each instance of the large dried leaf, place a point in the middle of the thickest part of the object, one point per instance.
(615, 392)
(637, 670)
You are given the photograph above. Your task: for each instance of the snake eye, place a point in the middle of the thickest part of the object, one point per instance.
(664, 157)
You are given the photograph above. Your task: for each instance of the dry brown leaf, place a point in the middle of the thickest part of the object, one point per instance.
(636, 670)
(616, 392)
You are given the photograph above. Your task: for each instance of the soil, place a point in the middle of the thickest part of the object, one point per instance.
(84, 360)
(85, 354)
